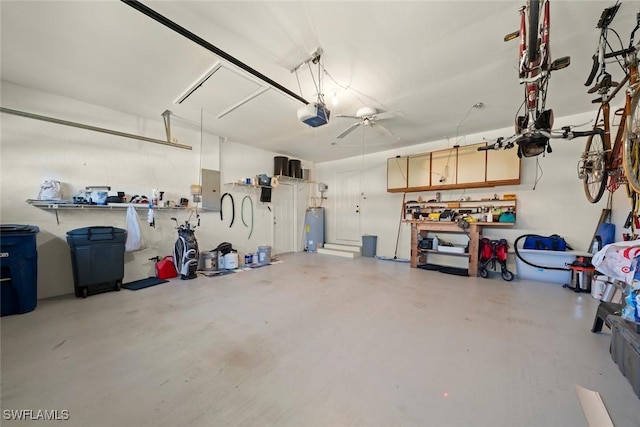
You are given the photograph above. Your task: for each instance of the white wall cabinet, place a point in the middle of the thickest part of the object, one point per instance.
(397, 173)
(459, 167)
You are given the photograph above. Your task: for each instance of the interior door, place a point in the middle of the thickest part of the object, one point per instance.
(347, 218)
(284, 223)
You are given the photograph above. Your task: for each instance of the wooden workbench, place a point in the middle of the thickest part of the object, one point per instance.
(474, 231)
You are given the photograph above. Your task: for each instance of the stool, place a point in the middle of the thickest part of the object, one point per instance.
(604, 310)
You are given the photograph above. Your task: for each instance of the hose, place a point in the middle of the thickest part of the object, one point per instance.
(515, 248)
(233, 208)
(242, 214)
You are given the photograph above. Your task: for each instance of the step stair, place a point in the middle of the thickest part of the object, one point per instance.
(345, 251)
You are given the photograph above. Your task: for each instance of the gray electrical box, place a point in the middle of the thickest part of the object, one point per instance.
(211, 190)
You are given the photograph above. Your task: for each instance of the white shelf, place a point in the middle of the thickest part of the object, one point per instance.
(46, 204)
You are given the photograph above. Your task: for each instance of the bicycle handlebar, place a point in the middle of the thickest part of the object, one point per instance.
(563, 133)
(501, 143)
(567, 133)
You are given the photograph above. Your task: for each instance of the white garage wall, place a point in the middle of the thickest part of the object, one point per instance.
(556, 205)
(33, 151)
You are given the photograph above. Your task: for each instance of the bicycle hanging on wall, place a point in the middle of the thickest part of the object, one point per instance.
(533, 121)
(604, 165)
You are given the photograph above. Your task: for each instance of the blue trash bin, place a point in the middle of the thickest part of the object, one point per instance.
(19, 269)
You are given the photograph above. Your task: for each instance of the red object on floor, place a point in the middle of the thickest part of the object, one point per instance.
(165, 268)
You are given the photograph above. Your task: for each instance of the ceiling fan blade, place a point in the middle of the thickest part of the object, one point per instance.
(347, 116)
(349, 130)
(386, 131)
(383, 116)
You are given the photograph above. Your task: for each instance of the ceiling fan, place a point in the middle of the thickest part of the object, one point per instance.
(368, 116)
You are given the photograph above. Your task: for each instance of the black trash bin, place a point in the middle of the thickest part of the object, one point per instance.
(97, 258)
(19, 269)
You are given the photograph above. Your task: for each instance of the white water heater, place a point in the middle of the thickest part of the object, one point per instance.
(314, 229)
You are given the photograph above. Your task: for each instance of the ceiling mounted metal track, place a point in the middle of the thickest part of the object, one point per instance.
(205, 44)
(94, 128)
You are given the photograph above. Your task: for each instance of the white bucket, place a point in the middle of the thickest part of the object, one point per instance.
(264, 254)
(231, 261)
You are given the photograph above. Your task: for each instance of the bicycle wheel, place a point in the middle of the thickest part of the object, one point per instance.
(532, 42)
(595, 180)
(631, 152)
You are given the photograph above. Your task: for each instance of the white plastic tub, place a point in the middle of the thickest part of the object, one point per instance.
(545, 259)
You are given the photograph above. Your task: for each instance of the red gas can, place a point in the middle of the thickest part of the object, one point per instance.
(165, 268)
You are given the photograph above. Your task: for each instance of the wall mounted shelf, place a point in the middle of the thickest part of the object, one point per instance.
(62, 205)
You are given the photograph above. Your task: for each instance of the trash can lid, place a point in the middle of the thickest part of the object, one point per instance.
(17, 228)
(96, 229)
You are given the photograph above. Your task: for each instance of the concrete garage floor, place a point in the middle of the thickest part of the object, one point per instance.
(316, 341)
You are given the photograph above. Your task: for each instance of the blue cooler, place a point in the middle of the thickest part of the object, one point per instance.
(19, 266)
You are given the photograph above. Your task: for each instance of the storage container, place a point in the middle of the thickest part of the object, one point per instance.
(369, 244)
(625, 350)
(19, 268)
(281, 166)
(451, 249)
(545, 259)
(97, 259)
(264, 255)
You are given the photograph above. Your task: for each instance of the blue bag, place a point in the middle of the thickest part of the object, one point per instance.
(543, 243)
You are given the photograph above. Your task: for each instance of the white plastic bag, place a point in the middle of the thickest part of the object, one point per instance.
(618, 260)
(50, 190)
(134, 238)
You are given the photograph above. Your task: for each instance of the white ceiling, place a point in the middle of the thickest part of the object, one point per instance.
(429, 61)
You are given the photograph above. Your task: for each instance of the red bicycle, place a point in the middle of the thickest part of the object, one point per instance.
(534, 69)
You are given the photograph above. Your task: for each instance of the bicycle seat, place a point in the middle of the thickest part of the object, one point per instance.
(604, 84)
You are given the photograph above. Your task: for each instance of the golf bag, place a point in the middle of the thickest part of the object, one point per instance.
(185, 253)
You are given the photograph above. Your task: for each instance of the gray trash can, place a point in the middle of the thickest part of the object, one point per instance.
(97, 258)
(369, 245)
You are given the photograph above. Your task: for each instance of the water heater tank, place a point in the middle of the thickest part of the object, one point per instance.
(314, 229)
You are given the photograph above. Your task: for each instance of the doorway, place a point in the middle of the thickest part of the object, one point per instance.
(348, 207)
(284, 221)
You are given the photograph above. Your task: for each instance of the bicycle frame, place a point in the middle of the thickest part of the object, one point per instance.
(534, 73)
(614, 159)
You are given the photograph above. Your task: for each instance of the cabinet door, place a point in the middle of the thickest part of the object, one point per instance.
(396, 173)
(471, 164)
(503, 165)
(420, 170)
(443, 167)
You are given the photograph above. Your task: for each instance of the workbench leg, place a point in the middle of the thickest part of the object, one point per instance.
(474, 239)
(414, 245)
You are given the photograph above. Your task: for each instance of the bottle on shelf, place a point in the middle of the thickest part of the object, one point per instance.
(434, 244)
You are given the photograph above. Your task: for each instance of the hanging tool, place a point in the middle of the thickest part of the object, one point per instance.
(395, 254)
(233, 208)
(242, 214)
(632, 221)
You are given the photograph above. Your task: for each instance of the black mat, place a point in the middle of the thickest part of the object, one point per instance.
(445, 269)
(143, 283)
(455, 270)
